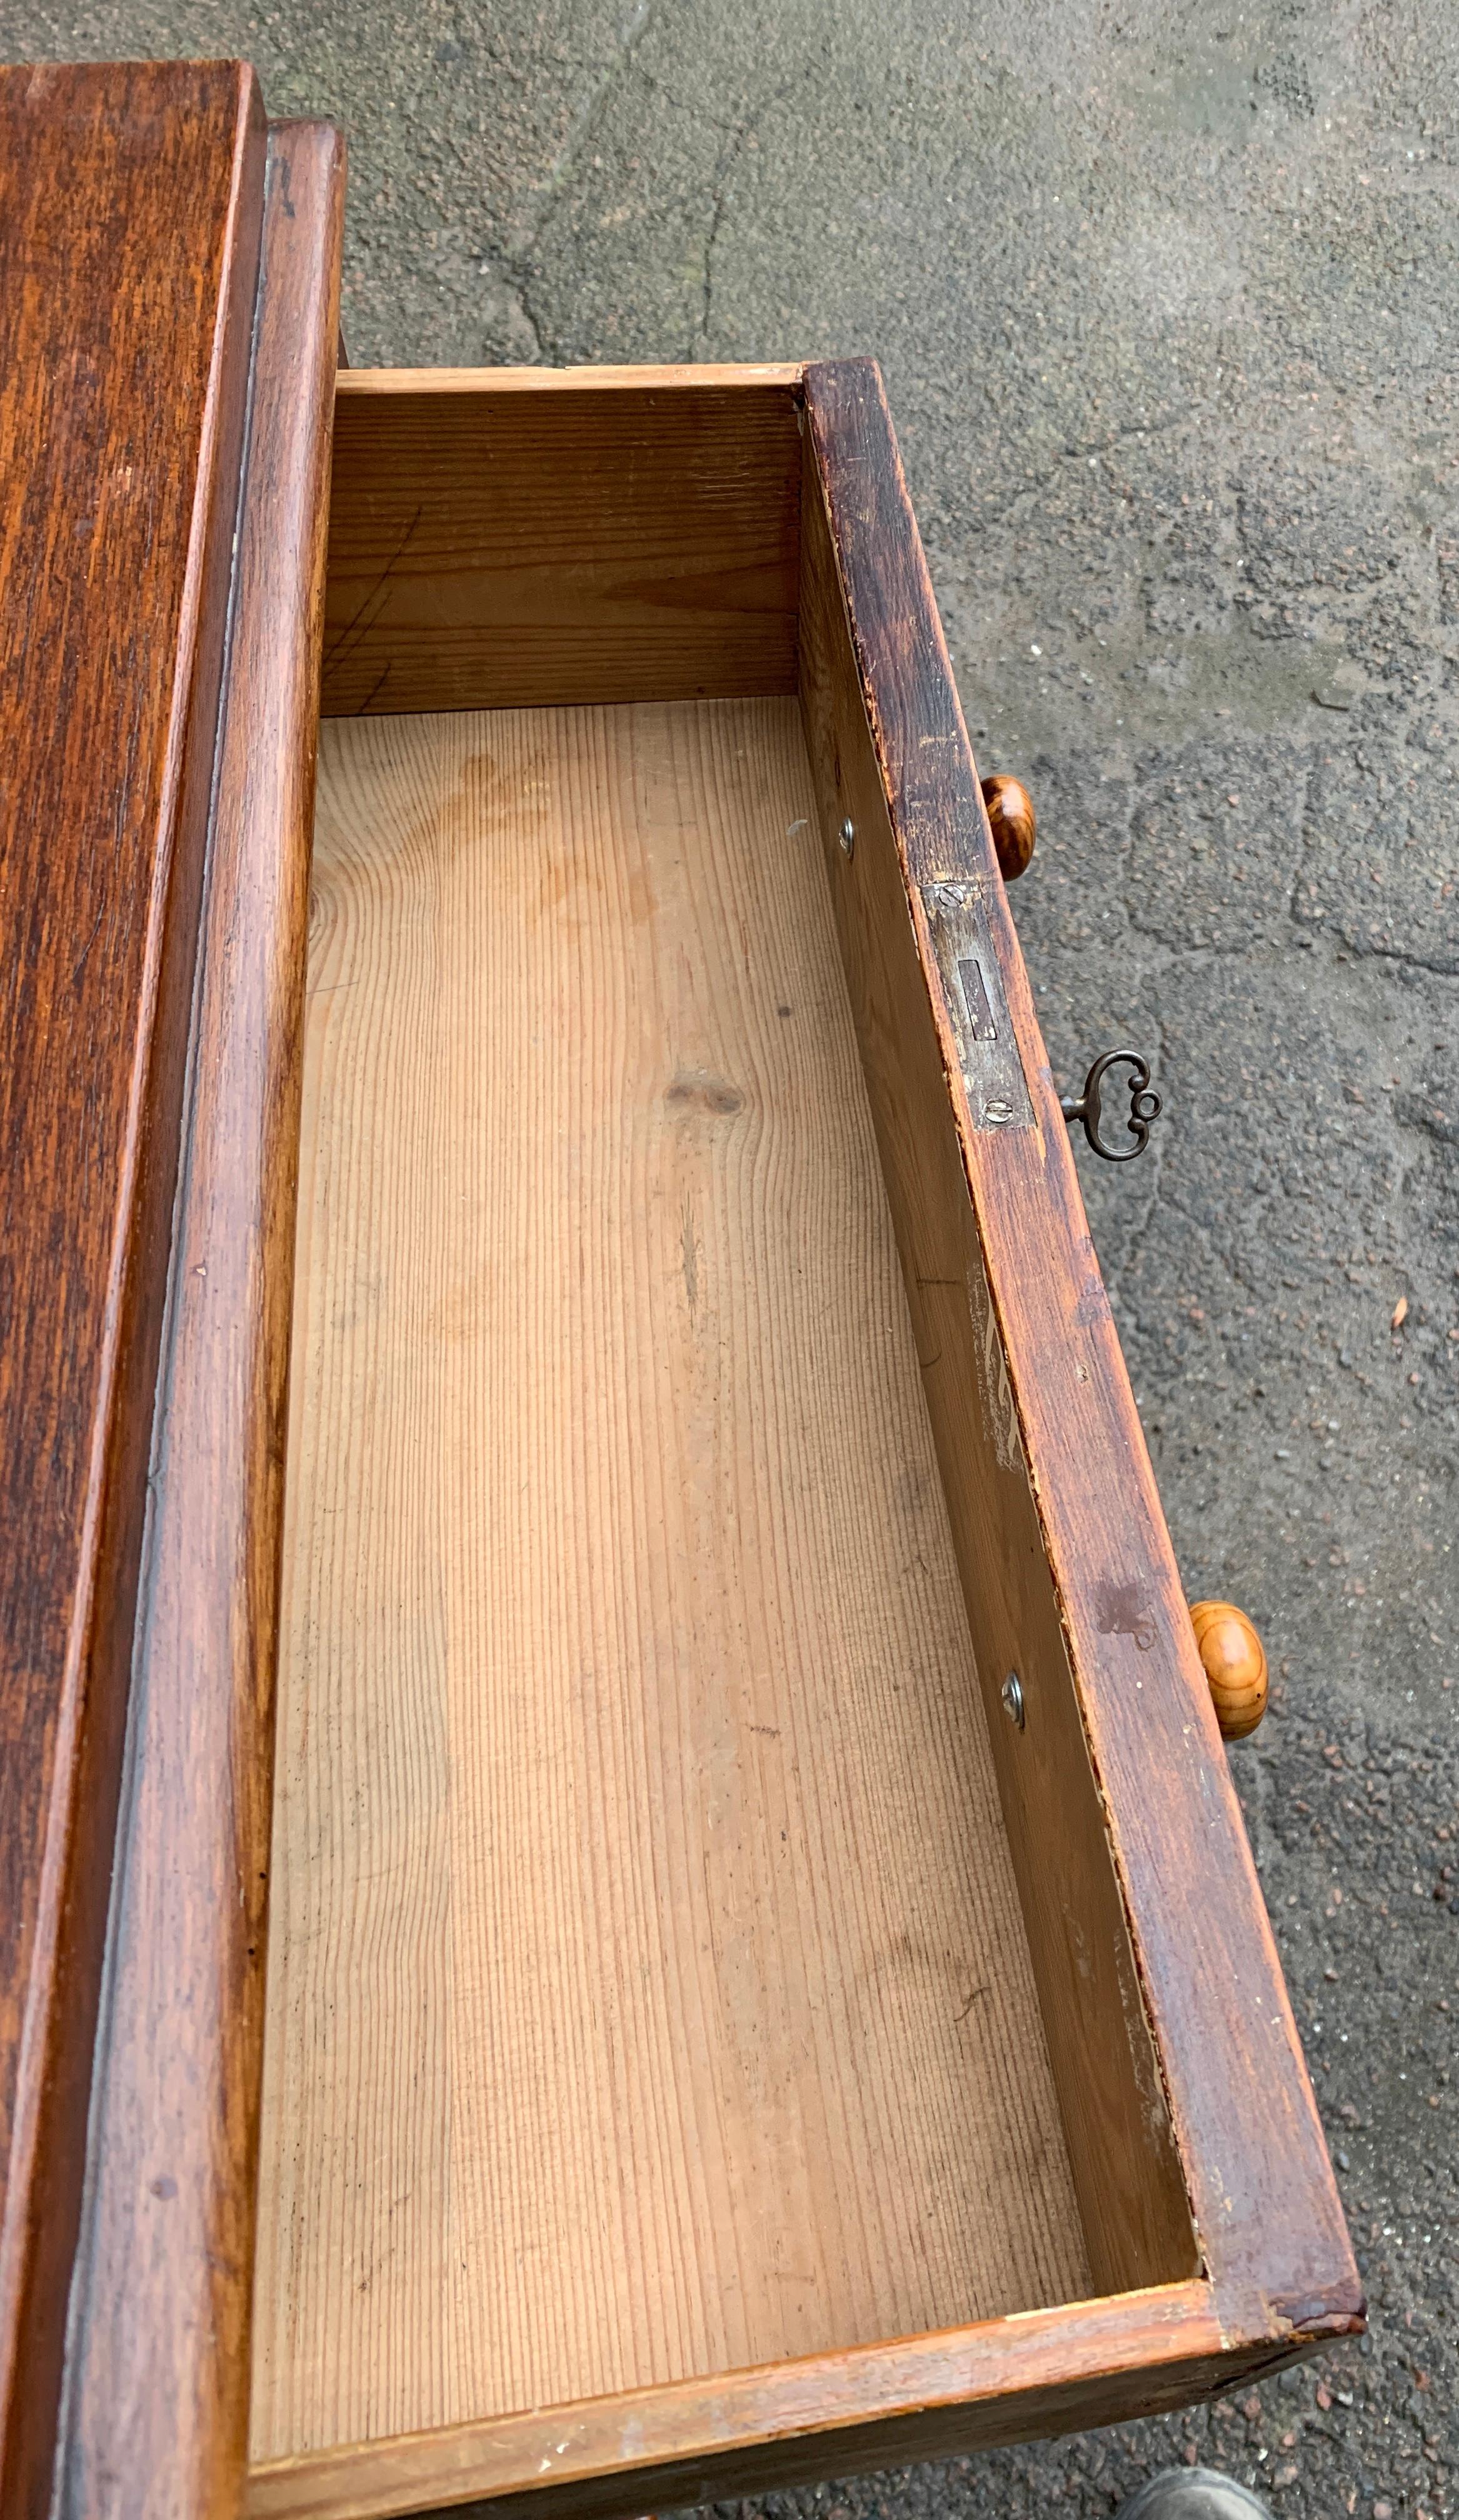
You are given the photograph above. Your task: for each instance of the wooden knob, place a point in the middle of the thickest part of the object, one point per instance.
(1010, 810)
(1235, 1666)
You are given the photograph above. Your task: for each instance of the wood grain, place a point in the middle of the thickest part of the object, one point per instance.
(1234, 1661)
(1254, 2165)
(587, 378)
(130, 211)
(500, 538)
(158, 2395)
(1012, 822)
(648, 1993)
(1130, 2188)
(796, 2424)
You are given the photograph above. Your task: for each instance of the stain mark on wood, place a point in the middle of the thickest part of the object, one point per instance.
(1126, 1611)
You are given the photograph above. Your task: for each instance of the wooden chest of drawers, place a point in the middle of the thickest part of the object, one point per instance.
(622, 1886)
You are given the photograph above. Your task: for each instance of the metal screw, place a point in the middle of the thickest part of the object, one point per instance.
(848, 836)
(1011, 1693)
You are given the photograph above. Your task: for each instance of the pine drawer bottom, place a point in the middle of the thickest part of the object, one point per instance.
(649, 1991)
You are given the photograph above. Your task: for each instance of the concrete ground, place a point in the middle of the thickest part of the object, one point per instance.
(1167, 296)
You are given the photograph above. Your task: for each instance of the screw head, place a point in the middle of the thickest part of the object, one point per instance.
(1012, 1695)
(848, 836)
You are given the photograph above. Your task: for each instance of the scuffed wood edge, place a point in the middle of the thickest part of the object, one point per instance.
(155, 2411)
(1277, 2250)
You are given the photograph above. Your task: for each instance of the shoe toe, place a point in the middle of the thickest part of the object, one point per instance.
(1193, 2494)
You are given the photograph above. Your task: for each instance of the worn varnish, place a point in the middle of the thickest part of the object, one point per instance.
(130, 211)
(157, 2406)
(649, 1996)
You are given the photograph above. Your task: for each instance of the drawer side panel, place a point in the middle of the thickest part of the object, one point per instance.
(1251, 2149)
(1128, 2180)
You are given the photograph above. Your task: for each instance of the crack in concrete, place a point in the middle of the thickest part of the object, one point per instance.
(511, 266)
(725, 163)
(518, 288)
(1396, 954)
(563, 165)
(631, 36)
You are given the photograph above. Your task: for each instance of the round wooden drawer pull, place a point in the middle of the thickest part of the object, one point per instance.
(1234, 1663)
(1010, 809)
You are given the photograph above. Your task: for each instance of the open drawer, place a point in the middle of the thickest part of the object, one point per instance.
(716, 2032)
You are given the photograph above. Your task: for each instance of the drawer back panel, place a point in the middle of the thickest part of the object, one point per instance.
(596, 535)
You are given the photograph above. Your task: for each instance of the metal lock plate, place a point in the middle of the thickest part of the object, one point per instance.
(967, 960)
